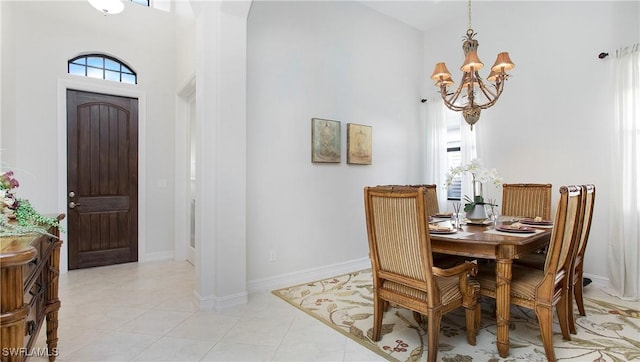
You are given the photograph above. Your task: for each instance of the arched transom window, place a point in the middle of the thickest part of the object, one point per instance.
(102, 67)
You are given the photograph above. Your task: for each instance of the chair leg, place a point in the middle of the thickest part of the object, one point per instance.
(578, 294)
(478, 312)
(571, 318)
(562, 308)
(472, 323)
(434, 333)
(545, 320)
(379, 307)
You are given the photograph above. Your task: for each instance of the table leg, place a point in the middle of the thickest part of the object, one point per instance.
(503, 304)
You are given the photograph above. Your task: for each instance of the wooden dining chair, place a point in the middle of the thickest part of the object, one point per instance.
(542, 290)
(527, 200)
(431, 197)
(402, 267)
(577, 268)
(576, 284)
(431, 194)
(576, 278)
(433, 208)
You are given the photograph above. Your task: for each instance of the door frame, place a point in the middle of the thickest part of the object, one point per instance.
(181, 184)
(97, 86)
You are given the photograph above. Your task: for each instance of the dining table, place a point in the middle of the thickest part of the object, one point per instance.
(484, 240)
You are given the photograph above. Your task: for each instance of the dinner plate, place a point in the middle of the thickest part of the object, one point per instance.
(521, 229)
(479, 222)
(450, 231)
(534, 222)
(445, 216)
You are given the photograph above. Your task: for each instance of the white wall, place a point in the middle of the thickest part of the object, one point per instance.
(551, 124)
(45, 35)
(7, 84)
(334, 60)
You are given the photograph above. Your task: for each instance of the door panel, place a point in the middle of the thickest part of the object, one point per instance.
(102, 185)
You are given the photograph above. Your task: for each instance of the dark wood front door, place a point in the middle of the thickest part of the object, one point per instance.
(102, 179)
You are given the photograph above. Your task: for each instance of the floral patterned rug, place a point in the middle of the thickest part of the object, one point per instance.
(608, 332)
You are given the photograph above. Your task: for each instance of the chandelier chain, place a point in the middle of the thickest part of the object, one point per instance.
(469, 15)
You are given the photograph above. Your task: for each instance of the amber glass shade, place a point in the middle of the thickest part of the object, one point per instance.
(503, 62)
(469, 79)
(471, 61)
(440, 71)
(446, 81)
(493, 76)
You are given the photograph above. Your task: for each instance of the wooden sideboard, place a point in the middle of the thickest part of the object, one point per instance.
(30, 266)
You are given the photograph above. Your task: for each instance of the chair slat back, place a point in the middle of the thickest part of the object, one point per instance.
(590, 196)
(398, 232)
(432, 200)
(431, 196)
(566, 227)
(527, 200)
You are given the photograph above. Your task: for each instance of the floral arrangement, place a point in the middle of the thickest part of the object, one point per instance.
(477, 171)
(480, 175)
(27, 219)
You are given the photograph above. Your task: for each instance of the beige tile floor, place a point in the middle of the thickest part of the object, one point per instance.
(144, 312)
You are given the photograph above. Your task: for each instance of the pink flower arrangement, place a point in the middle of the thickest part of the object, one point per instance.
(8, 200)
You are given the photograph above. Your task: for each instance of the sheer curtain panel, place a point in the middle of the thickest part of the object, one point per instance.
(468, 152)
(624, 240)
(437, 149)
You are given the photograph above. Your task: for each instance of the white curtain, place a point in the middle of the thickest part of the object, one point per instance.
(624, 239)
(468, 153)
(436, 130)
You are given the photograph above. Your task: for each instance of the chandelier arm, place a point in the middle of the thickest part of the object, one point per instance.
(487, 92)
(471, 94)
(450, 102)
(499, 87)
(452, 106)
(454, 97)
(492, 102)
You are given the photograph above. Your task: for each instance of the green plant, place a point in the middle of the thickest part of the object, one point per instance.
(27, 215)
(477, 200)
(27, 219)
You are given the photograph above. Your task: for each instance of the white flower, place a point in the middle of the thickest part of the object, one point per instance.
(479, 173)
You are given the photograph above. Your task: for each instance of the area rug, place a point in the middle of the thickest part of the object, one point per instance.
(345, 303)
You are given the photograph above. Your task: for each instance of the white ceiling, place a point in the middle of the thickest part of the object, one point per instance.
(421, 14)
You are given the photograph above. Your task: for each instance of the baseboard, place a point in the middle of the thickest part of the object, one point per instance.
(597, 280)
(289, 279)
(218, 304)
(203, 303)
(157, 256)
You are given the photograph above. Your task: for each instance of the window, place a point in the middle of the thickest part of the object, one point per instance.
(102, 67)
(141, 2)
(454, 156)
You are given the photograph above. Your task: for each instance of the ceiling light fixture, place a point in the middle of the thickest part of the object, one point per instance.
(471, 84)
(108, 7)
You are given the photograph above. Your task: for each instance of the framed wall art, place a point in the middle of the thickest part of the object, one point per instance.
(325, 141)
(358, 144)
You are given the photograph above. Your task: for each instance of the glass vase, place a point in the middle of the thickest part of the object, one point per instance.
(477, 189)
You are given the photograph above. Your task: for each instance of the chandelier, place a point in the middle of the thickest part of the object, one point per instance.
(478, 95)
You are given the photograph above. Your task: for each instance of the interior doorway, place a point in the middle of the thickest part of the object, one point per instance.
(192, 142)
(186, 196)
